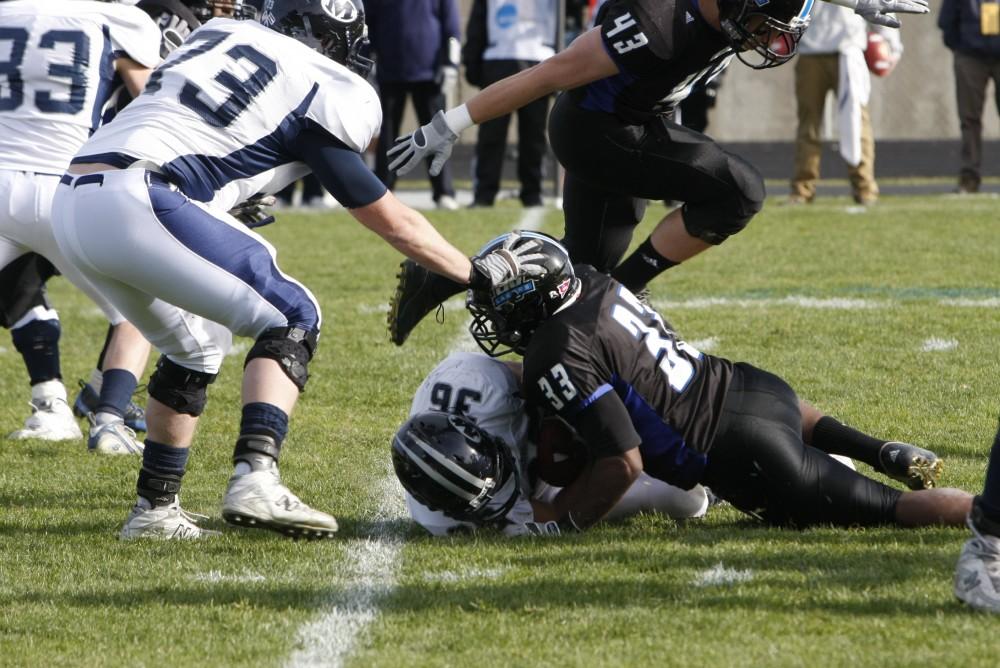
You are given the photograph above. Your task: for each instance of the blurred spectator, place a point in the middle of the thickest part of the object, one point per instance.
(505, 37)
(971, 29)
(416, 50)
(832, 57)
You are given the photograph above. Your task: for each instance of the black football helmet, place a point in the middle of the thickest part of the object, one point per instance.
(764, 33)
(335, 28)
(449, 464)
(504, 318)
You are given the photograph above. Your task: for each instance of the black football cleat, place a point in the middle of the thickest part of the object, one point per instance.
(418, 292)
(916, 467)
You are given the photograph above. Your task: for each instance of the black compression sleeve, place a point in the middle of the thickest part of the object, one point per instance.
(606, 427)
(342, 171)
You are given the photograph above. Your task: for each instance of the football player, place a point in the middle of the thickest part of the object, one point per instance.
(242, 107)
(471, 393)
(613, 131)
(60, 58)
(643, 400)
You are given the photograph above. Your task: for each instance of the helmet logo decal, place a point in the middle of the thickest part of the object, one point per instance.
(467, 430)
(761, 3)
(513, 290)
(342, 10)
(563, 288)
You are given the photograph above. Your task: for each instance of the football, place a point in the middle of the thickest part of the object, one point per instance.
(561, 454)
(878, 55)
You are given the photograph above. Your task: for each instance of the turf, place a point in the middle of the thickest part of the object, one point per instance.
(887, 318)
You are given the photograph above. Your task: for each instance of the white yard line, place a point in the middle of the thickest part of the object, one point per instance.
(370, 565)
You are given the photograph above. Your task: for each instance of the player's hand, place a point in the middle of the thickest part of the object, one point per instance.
(508, 261)
(253, 212)
(542, 529)
(880, 12)
(433, 140)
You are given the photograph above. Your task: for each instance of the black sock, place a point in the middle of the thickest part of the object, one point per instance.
(641, 267)
(163, 467)
(835, 438)
(116, 390)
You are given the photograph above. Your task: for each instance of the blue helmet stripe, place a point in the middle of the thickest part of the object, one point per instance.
(806, 9)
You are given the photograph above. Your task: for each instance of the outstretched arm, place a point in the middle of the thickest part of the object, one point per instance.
(880, 12)
(584, 61)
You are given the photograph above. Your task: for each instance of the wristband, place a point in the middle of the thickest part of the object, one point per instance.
(458, 119)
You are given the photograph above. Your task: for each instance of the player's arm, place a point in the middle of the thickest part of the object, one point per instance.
(606, 428)
(343, 172)
(585, 60)
(133, 75)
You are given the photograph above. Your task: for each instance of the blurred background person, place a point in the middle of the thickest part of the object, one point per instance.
(504, 37)
(694, 108)
(832, 57)
(971, 29)
(415, 44)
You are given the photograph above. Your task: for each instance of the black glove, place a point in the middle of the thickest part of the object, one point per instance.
(253, 212)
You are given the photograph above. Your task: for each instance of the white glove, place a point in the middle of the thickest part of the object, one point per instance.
(542, 529)
(434, 139)
(503, 264)
(880, 12)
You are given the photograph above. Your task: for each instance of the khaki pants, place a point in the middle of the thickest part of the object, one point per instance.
(814, 76)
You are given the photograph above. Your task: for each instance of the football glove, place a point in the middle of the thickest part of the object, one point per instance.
(433, 140)
(503, 264)
(880, 12)
(253, 212)
(542, 529)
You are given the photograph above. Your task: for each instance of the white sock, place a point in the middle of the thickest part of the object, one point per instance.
(103, 418)
(47, 391)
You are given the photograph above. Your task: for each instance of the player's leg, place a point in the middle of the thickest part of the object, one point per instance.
(977, 575)
(89, 396)
(659, 161)
(124, 363)
(917, 467)
(35, 333)
(650, 495)
(758, 460)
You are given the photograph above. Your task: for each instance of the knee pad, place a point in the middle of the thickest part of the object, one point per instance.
(178, 388)
(714, 222)
(291, 347)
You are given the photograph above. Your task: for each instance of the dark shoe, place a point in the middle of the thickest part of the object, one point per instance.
(916, 467)
(418, 292)
(87, 399)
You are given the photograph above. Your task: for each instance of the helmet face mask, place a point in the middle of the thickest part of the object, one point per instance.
(449, 465)
(335, 28)
(505, 318)
(764, 33)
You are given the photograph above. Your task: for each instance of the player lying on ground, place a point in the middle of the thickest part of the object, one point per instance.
(613, 131)
(645, 401)
(546, 453)
(468, 421)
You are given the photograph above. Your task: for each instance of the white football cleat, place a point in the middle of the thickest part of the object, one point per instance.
(113, 438)
(50, 420)
(164, 522)
(977, 575)
(259, 500)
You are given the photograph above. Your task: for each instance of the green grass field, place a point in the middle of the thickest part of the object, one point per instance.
(887, 319)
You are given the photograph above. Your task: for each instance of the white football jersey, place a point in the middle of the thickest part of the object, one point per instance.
(56, 70)
(486, 391)
(218, 115)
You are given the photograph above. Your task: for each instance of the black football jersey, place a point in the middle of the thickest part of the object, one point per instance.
(663, 48)
(612, 369)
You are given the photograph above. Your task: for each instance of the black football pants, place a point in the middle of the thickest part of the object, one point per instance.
(612, 168)
(759, 463)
